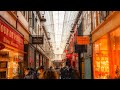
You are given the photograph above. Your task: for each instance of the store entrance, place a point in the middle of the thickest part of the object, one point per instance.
(4, 58)
(3, 69)
(2, 74)
(20, 68)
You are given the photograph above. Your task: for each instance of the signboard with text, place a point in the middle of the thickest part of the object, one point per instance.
(82, 40)
(10, 37)
(37, 40)
(80, 48)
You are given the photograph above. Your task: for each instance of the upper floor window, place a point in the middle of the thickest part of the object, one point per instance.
(80, 29)
(33, 20)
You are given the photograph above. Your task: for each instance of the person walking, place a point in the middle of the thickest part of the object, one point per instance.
(41, 72)
(51, 74)
(27, 73)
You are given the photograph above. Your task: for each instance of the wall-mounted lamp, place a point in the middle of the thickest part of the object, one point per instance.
(72, 31)
(67, 43)
(48, 36)
(43, 19)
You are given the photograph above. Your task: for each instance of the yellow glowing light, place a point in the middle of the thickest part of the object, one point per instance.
(97, 45)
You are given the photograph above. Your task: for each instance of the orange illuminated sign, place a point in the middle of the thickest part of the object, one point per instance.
(82, 40)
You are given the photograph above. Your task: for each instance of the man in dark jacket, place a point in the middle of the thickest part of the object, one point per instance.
(27, 74)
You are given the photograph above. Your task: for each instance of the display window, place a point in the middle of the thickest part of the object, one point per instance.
(11, 45)
(101, 58)
(115, 53)
(9, 63)
(106, 56)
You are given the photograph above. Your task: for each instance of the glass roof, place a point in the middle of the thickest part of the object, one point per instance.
(58, 25)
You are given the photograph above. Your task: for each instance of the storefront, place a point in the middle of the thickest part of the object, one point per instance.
(106, 52)
(35, 58)
(13, 52)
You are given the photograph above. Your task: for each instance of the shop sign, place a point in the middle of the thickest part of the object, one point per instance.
(2, 46)
(10, 37)
(82, 40)
(80, 48)
(37, 40)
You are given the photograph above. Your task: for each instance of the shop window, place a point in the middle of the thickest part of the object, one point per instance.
(3, 75)
(115, 53)
(101, 58)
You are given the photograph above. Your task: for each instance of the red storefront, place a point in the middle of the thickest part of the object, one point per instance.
(12, 55)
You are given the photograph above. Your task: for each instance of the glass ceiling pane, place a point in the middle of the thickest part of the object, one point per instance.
(59, 24)
(58, 17)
